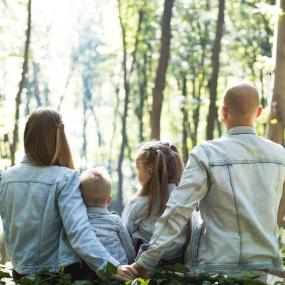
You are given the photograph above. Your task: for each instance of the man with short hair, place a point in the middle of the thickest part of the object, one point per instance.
(237, 181)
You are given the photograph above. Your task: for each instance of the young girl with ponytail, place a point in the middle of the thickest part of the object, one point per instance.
(159, 169)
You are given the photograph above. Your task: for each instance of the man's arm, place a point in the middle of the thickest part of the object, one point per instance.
(281, 209)
(193, 188)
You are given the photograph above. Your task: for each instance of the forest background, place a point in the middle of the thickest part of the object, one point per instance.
(125, 71)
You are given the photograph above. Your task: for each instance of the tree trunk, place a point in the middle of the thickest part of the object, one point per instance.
(276, 122)
(127, 80)
(185, 120)
(86, 96)
(116, 111)
(36, 70)
(143, 84)
(159, 85)
(124, 115)
(99, 135)
(215, 72)
(14, 144)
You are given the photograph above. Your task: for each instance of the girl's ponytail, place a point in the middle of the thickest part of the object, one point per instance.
(159, 183)
(156, 188)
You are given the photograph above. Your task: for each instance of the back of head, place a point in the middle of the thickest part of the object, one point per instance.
(242, 100)
(45, 141)
(166, 167)
(95, 185)
(175, 164)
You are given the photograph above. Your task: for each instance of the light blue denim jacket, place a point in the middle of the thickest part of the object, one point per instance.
(112, 234)
(141, 227)
(237, 181)
(41, 207)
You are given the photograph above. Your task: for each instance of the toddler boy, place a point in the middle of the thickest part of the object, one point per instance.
(95, 187)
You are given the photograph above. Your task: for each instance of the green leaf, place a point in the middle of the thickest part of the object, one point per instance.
(82, 282)
(177, 267)
(27, 280)
(4, 274)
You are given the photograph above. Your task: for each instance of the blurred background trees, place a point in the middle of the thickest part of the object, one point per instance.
(124, 71)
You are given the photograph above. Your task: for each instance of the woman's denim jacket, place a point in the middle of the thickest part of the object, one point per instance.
(237, 181)
(42, 211)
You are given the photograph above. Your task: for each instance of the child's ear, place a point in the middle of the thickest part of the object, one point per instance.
(258, 112)
(150, 170)
(109, 200)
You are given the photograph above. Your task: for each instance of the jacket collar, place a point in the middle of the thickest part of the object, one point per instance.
(26, 159)
(97, 211)
(241, 130)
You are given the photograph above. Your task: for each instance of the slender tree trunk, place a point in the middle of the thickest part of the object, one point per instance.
(116, 111)
(36, 70)
(46, 94)
(86, 98)
(14, 144)
(124, 115)
(276, 122)
(185, 120)
(69, 76)
(197, 107)
(99, 135)
(143, 83)
(215, 72)
(127, 78)
(159, 85)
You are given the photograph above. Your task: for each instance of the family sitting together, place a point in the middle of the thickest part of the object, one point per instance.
(218, 215)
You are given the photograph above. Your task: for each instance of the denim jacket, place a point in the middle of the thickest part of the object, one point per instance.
(42, 211)
(141, 227)
(237, 181)
(112, 234)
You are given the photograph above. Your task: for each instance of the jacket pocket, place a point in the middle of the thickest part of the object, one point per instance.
(195, 242)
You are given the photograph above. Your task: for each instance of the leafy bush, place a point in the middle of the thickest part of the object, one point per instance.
(168, 275)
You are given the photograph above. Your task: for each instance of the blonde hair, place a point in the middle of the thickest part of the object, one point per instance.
(45, 141)
(95, 185)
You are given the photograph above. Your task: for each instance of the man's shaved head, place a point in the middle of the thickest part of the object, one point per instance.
(242, 100)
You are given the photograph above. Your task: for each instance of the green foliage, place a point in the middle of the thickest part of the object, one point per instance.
(167, 275)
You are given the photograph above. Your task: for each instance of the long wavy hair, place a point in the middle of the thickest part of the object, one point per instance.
(166, 167)
(45, 141)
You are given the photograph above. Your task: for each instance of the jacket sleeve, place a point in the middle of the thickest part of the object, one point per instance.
(76, 224)
(130, 216)
(193, 187)
(281, 208)
(126, 242)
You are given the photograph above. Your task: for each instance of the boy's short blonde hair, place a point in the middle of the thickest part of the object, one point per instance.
(95, 185)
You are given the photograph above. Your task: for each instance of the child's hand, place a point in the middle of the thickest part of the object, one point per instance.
(126, 272)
